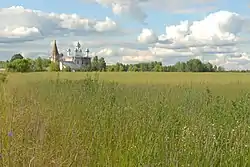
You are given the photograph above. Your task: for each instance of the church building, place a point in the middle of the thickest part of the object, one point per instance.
(75, 61)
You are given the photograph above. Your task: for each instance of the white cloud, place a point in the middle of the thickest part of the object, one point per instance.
(137, 8)
(129, 9)
(20, 24)
(124, 55)
(217, 28)
(218, 35)
(107, 25)
(147, 36)
(235, 63)
(217, 38)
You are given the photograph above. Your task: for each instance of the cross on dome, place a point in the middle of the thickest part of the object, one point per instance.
(78, 45)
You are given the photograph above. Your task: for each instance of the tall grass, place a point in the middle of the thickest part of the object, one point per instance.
(94, 123)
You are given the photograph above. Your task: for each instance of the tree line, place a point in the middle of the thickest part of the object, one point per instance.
(18, 63)
(192, 65)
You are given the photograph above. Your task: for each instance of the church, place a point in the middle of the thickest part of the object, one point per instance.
(75, 61)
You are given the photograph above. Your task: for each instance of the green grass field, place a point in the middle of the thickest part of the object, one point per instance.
(125, 119)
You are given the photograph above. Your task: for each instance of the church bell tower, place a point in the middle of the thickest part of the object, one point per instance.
(55, 54)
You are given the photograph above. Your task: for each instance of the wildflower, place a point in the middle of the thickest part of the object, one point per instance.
(10, 134)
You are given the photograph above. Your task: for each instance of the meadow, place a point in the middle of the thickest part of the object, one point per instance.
(125, 119)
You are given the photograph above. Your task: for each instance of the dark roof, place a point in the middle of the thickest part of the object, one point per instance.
(71, 64)
(54, 49)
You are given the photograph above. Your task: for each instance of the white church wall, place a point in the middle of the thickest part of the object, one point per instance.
(61, 66)
(77, 58)
(68, 58)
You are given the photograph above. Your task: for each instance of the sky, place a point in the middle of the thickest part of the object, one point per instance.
(130, 31)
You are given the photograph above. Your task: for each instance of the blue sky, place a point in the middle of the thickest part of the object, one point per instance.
(127, 36)
(155, 18)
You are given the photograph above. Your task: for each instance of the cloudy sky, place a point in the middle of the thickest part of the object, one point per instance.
(130, 31)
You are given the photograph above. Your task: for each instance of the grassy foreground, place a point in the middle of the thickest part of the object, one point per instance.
(157, 119)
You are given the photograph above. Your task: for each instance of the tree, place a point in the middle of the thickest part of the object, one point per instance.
(32, 64)
(2, 64)
(102, 64)
(111, 68)
(95, 64)
(208, 67)
(39, 64)
(133, 68)
(215, 68)
(54, 66)
(16, 56)
(181, 66)
(119, 67)
(19, 65)
(158, 68)
(130, 68)
(221, 69)
(46, 63)
(143, 67)
(195, 65)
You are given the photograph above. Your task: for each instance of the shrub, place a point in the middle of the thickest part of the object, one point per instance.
(3, 77)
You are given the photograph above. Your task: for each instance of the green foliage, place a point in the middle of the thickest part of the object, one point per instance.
(193, 65)
(46, 62)
(97, 64)
(2, 64)
(133, 68)
(86, 68)
(3, 77)
(158, 68)
(26, 64)
(67, 69)
(39, 64)
(20, 65)
(102, 64)
(16, 56)
(111, 68)
(54, 66)
(220, 69)
(89, 122)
